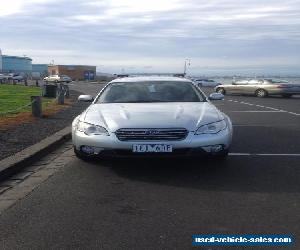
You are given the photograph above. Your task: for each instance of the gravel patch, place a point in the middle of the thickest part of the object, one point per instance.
(24, 135)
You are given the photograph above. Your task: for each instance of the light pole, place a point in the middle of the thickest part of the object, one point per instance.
(187, 62)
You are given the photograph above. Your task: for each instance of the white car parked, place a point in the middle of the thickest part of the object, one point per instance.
(147, 116)
(3, 77)
(11, 76)
(58, 78)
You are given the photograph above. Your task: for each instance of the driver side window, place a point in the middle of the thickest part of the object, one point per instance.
(241, 83)
(255, 82)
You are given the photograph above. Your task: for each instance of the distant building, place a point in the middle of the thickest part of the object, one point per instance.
(16, 64)
(76, 72)
(0, 61)
(39, 70)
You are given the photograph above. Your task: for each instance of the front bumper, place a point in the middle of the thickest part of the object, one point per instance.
(192, 145)
(183, 152)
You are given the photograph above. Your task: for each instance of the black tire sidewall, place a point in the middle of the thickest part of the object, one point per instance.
(221, 91)
(82, 156)
(265, 93)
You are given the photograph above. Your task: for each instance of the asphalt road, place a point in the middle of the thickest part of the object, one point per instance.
(160, 204)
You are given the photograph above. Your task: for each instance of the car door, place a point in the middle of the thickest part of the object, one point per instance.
(53, 78)
(238, 87)
(252, 86)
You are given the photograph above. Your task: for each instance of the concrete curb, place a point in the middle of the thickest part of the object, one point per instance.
(15, 163)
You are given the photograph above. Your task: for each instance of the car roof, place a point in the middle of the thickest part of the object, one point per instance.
(152, 78)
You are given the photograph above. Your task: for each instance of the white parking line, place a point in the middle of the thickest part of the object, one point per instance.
(291, 125)
(266, 107)
(252, 125)
(258, 111)
(253, 154)
(292, 113)
(247, 103)
(239, 154)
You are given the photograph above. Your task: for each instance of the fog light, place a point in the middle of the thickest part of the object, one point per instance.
(87, 149)
(216, 148)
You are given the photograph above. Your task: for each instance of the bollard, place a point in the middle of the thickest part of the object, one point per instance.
(67, 90)
(61, 95)
(36, 106)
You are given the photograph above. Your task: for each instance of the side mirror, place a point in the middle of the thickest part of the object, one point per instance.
(85, 98)
(216, 97)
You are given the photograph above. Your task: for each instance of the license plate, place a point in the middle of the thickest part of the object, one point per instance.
(152, 148)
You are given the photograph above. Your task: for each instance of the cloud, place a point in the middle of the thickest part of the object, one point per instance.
(159, 33)
(18, 6)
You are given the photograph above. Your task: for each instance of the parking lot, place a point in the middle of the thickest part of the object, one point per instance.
(161, 203)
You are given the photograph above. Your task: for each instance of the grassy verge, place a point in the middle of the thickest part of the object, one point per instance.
(13, 97)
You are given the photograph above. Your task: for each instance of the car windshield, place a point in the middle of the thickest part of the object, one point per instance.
(140, 92)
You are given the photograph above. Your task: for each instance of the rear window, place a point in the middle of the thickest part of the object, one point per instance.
(276, 81)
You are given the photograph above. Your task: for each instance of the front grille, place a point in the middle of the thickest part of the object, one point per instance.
(159, 134)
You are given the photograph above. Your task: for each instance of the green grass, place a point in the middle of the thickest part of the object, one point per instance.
(13, 97)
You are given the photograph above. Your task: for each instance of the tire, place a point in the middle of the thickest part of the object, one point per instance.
(222, 156)
(287, 95)
(221, 91)
(56, 81)
(261, 93)
(82, 156)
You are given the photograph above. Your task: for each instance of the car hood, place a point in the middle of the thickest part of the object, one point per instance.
(151, 115)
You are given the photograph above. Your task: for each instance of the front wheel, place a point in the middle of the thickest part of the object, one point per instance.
(221, 91)
(287, 95)
(81, 155)
(221, 156)
(261, 93)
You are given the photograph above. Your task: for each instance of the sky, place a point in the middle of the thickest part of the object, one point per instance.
(219, 37)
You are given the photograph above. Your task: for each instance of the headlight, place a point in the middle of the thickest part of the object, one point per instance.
(90, 129)
(211, 128)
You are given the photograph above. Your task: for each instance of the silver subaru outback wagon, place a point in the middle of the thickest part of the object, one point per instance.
(147, 116)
